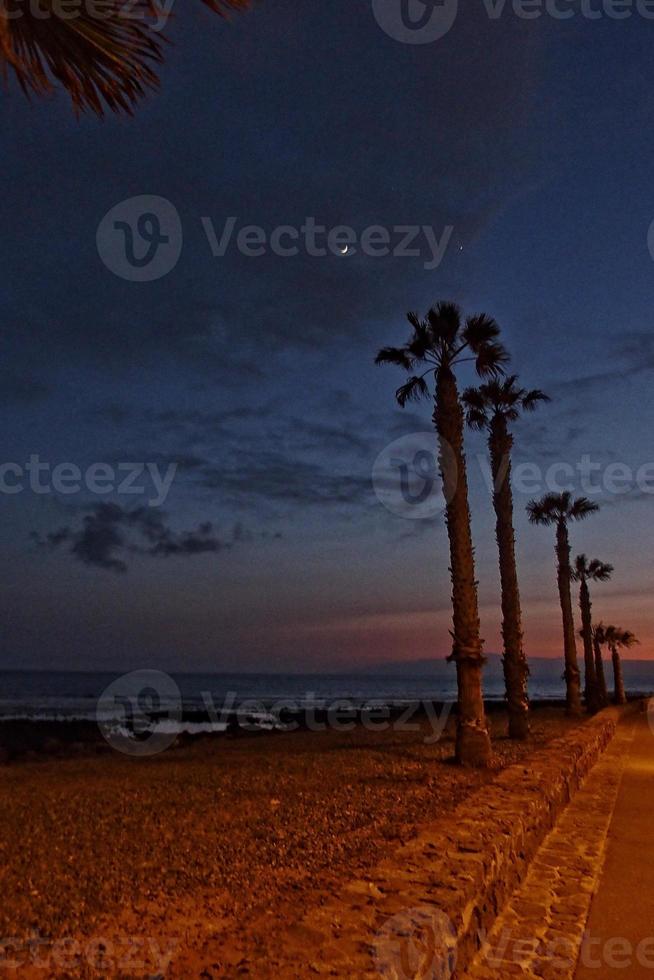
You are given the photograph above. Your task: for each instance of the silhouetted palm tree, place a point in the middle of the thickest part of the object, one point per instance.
(617, 638)
(438, 343)
(102, 57)
(599, 639)
(492, 406)
(558, 509)
(586, 571)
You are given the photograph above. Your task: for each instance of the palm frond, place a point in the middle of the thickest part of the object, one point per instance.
(505, 397)
(104, 60)
(476, 420)
(475, 398)
(412, 391)
(444, 320)
(580, 569)
(545, 511)
(475, 405)
(610, 633)
(505, 394)
(530, 400)
(421, 343)
(581, 508)
(599, 571)
(615, 636)
(223, 7)
(538, 514)
(395, 355)
(480, 330)
(496, 393)
(490, 359)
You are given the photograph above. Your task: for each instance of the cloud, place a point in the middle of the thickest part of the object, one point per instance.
(109, 533)
(254, 453)
(632, 356)
(277, 476)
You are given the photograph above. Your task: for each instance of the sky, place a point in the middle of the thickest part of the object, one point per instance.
(523, 146)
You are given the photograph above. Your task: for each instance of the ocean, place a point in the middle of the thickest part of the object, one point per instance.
(50, 695)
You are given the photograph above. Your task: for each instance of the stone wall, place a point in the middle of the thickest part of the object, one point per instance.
(497, 832)
(454, 878)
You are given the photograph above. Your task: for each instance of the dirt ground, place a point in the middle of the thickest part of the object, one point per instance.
(188, 863)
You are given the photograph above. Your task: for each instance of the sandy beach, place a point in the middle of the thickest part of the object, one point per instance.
(191, 863)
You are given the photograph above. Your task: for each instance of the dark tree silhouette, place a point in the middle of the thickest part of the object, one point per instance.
(559, 509)
(617, 639)
(438, 343)
(102, 60)
(599, 640)
(492, 407)
(586, 571)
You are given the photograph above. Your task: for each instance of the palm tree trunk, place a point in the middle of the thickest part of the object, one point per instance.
(591, 693)
(514, 661)
(473, 746)
(571, 674)
(601, 677)
(619, 697)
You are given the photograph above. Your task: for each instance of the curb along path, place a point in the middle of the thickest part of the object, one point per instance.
(539, 934)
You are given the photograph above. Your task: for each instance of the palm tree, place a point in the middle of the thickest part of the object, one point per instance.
(599, 639)
(618, 638)
(439, 343)
(101, 59)
(559, 509)
(586, 571)
(492, 406)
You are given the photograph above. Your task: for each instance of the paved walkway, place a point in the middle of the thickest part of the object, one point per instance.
(620, 929)
(541, 933)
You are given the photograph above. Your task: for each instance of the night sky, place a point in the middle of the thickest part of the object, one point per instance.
(533, 139)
